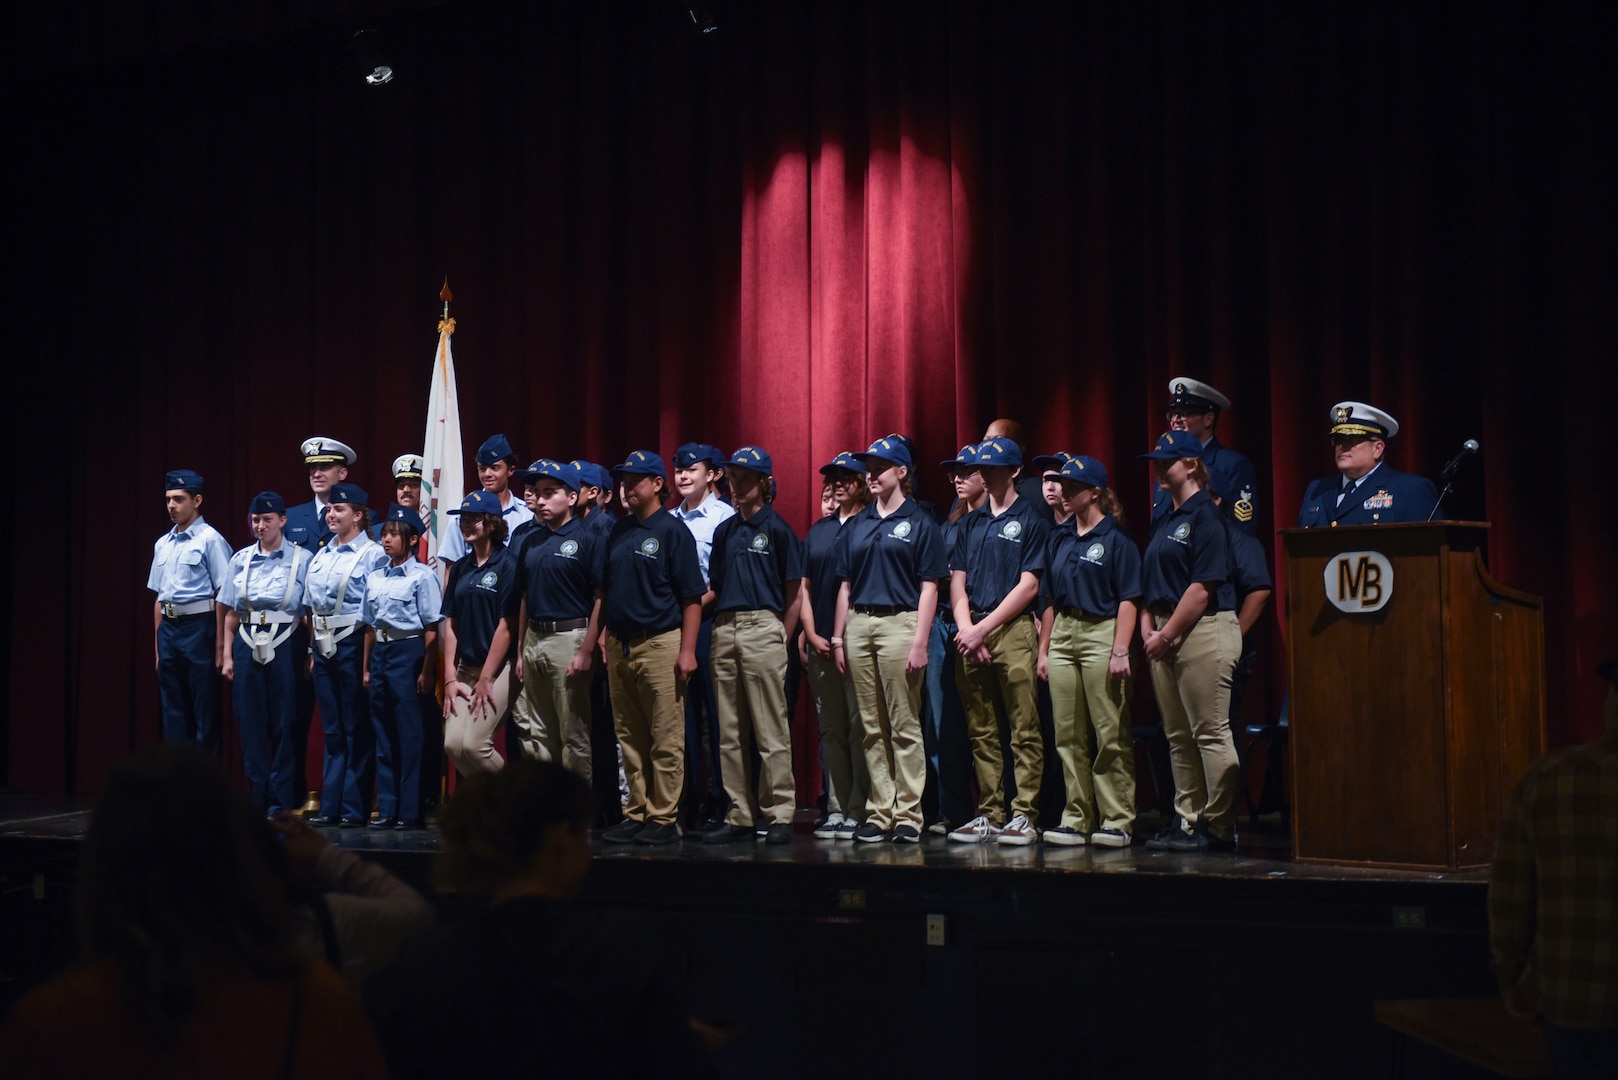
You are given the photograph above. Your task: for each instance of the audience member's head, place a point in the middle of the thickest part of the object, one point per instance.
(178, 871)
(523, 831)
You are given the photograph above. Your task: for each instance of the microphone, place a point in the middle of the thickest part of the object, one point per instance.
(1470, 446)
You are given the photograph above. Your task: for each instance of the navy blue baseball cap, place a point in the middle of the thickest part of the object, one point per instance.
(560, 471)
(963, 457)
(845, 460)
(267, 502)
(183, 480)
(407, 517)
(1050, 464)
(998, 452)
(894, 449)
(481, 502)
(592, 474)
(688, 454)
(753, 457)
(496, 448)
(1175, 444)
(641, 463)
(1086, 470)
(347, 493)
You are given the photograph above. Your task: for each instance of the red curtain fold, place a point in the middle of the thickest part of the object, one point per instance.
(822, 223)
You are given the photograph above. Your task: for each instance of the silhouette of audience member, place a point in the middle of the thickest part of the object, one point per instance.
(541, 986)
(1553, 899)
(189, 967)
(351, 912)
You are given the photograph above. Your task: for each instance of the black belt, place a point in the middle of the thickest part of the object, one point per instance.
(635, 637)
(1079, 613)
(880, 609)
(539, 626)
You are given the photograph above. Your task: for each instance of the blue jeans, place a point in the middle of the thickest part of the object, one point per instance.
(943, 724)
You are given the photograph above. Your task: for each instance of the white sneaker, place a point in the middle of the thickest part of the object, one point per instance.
(1063, 836)
(827, 830)
(847, 828)
(1114, 838)
(1018, 831)
(980, 830)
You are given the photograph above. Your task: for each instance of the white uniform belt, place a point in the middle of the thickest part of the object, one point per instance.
(333, 622)
(263, 640)
(267, 618)
(387, 633)
(172, 610)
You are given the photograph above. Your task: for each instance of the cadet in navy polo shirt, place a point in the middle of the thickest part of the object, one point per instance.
(481, 603)
(1191, 636)
(263, 599)
(190, 564)
(651, 604)
(889, 565)
(558, 572)
(1091, 597)
(836, 710)
(756, 571)
(949, 756)
(994, 580)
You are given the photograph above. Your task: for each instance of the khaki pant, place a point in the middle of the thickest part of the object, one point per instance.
(648, 712)
(841, 749)
(469, 736)
(890, 715)
(1100, 778)
(1193, 693)
(1010, 678)
(749, 668)
(556, 707)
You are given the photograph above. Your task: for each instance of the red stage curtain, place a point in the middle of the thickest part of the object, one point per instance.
(821, 224)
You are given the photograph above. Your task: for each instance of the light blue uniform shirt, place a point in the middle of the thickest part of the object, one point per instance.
(188, 566)
(703, 522)
(334, 562)
(453, 546)
(403, 597)
(272, 582)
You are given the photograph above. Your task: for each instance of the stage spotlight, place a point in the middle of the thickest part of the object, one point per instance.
(702, 18)
(365, 46)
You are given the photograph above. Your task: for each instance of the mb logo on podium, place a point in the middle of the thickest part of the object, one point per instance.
(1359, 582)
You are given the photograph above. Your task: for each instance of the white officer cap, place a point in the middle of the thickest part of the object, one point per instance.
(408, 467)
(1358, 418)
(1190, 392)
(323, 451)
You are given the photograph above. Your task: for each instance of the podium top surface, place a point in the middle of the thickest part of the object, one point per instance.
(1402, 526)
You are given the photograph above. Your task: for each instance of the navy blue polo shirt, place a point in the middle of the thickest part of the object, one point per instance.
(1252, 570)
(1189, 544)
(649, 569)
(820, 566)
(885, 559)
(752, 561)
(519, 536)
(995, 551)
(559, 570)
(599, 521)
(477, 598)
(1093, 573)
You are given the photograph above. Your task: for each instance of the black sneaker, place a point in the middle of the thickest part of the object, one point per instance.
(779, 833)
(1216, 843)
(1195, 840)
(728, 834)
(761, 830)
(653, 834)
(624, 832)
(905, 834)
(708, 825)
(1159, 840)
(870, 833)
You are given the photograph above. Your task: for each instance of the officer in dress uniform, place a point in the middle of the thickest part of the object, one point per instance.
(190, 564)
(334, 591)
(1365, 491)
(1195, 407)
(497, 466)
(263, 601)
(401, 614)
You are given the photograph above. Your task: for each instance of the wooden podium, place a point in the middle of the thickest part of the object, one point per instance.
(1418, 694)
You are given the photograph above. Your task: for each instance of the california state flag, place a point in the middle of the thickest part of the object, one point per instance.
(442, 482)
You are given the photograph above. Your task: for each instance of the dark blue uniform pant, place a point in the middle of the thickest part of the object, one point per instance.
(265, 696)
(303, 712)
(188, 681)
(702, 735)
(944, 728)
(396, 719)
(345, 715)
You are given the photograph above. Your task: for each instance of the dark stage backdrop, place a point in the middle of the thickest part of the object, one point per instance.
(822, 223)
